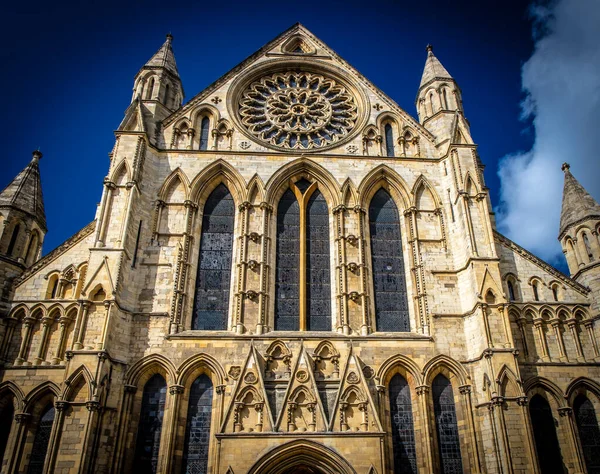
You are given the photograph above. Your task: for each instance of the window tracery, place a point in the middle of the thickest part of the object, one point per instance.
(298, 110)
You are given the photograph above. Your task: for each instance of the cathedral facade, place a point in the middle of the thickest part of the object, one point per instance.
(291, 274)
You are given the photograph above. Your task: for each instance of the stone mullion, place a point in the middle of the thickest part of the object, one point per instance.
(55, 436)
(343, 323)
(123, 428)
(424, 414)
(242, 266)
(465, 391)
(555, 323)
(417, 270)
(367, 326)
(469, 223)
(28, 322)
(578, 457)
(171, 432)
(264, 269)
(538, 323)
(46, 323)
(80, 328)
(589, 325)
(16, 442)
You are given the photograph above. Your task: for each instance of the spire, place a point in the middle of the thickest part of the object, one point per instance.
(577, 203)
(24, 193)
(433, 69)
(164, 58)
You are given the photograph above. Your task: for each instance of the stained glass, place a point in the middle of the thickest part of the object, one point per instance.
(544, 433)
(389, 140)
(204, 133)
(211, 303)
(403, 433)
(150, 426)
(589, 433)
(40, 443)
(197, 437)
(446, 426)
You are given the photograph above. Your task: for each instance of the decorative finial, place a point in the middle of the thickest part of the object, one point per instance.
(169, 37)
(429, 48)
(37, 155)
(565, 167)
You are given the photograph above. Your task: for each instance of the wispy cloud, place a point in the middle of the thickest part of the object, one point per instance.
(562, 83)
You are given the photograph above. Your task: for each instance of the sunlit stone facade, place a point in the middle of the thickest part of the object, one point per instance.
(291, 274)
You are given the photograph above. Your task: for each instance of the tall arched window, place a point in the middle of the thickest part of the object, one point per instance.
(150, 89)
(7, 412)
(403, 432)
(589, 433)
(544, 434)
(197, 433)
(303, 283)
(555, 292)
(389, 282)
(588, 247)
(446, 426)
(40, 443)
(32, 248)
(445, 98)
(166, 97)
(150, 426)
(511, 290)
(204, 133)
(211, 304)
(536, 294)
(389, 140)
(13, 240)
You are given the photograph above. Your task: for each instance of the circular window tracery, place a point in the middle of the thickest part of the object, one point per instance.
(298, 110)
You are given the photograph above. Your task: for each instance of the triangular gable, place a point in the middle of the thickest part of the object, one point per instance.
(354, 403)
(248, 410)
(302, 407)
(488, 282)
(134, 118)
(101, 276)
(274, 47)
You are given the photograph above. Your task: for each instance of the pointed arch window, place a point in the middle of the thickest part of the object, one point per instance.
(536, 294)
(41, 441)
(32, 248)
(389, 281)
(544, 434)
(197, 434)
(204, 133)
(389, 139)
(13, 240)
(403, 432)
(555, 292)
(166, 97)
(445, 98)
(150, 426)
(446, 426)
(588, 247)
(6, 420)
(303, 283)
(511, 290)
(211, 303)
(150, 89)
(589, 432)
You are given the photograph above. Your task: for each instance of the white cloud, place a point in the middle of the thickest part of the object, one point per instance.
(562, 83)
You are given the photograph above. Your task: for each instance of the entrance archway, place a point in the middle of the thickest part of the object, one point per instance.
(302, 457)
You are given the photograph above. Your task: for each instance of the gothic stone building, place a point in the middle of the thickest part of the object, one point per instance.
(291, 274)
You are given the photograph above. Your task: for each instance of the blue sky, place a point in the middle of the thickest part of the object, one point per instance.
(69, 69)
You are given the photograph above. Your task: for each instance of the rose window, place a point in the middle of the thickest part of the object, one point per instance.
(298, 110)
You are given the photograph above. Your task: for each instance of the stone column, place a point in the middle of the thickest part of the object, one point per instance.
(46, 323)
(465, 391)
(11, 323)
(572, 324)
(60, 349)
(263, 298)
(538, 323)
(105, 204)
(522, 401)
(123, 429)
(55, 435)
(577, 453)
(367, 324)
(101, 344)
(85, 308)
(522, 323)
(589, 325)
(190, 134)
(424, 415)
(28, 322)
(171, 424)
(16, 441)
(559, 338)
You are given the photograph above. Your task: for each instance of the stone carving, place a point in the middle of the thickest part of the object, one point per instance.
(244, 145)
(298, 110)
(234, 371)
(302, 376)
(368, 372)
(250, 378)
(353, 149)
(352, 378)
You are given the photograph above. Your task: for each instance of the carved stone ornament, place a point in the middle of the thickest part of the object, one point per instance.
(234, 371)
(244, 145)
(352, 239)
(352, 378)
(352, 149)
(354, 296)
(298, 110)
(302, 376)
(353, 267)
(252, 264)
(250, 378)
(368, 372)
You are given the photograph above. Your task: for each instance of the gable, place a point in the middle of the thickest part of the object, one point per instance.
(294, 95)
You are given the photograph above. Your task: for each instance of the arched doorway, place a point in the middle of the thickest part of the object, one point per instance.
(302, 457)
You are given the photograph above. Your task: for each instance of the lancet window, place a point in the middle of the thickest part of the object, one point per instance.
(150, 426)
(40, 443)
(204, 133)
(588, 247)
(403, 433)
(389, 281)
(13, 240)
(446, 426)
(511, 290)
(544, 434)
(197, 435)
(303, 283)
(389, 140)
(7, 412)
(589, 432)
(211, 304)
